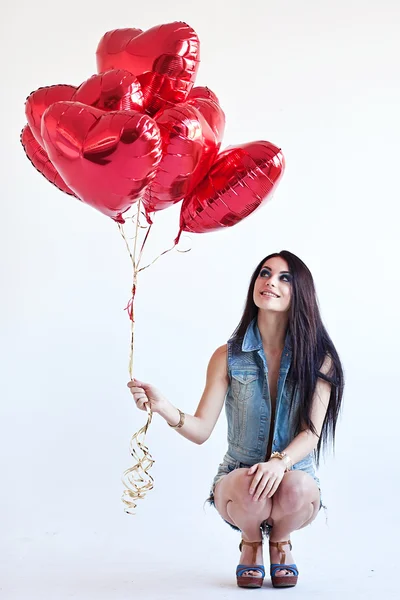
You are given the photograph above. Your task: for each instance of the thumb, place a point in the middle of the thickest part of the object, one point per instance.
(139, 383)
(252, 470)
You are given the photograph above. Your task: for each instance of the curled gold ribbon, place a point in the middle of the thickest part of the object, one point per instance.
(137, 480)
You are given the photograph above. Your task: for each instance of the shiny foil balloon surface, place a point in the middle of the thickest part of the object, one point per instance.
(165, 59)
(113, 90)
(202, 92)
(107, 159)
(41, 161)
(207, 103)
(189, 148)
(38, 101)
(240, 180)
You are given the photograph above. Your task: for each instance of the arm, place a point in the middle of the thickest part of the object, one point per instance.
(306, 441)
(198, 427)
(268, 475)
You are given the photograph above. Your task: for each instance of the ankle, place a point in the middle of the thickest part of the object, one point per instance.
(252, 539)
(279, 536)
(280, 550)
(251, 551)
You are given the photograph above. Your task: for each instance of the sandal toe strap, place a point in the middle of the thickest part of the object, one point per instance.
(276, 567)
(240, 569)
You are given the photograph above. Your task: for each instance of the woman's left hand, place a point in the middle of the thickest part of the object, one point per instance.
(267, 477)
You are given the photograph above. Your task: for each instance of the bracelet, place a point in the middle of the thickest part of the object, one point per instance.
(283, 456)
(181, 420)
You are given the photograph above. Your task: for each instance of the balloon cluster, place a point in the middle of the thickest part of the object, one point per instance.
(139, 130)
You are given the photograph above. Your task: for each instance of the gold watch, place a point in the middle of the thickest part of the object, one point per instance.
(283, 456)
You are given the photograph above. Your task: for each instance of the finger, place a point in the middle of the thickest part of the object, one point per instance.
(252, 469)
(255, 484)
(261, 487)
(134, 383)
(136, 390)
(139, 383)
(270, 485)
(142, 404)
(140, 396)
(274, 487)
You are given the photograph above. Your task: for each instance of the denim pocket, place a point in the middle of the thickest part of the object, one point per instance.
(243, 384)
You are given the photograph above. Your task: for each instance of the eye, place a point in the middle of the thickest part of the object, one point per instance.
(266, 273)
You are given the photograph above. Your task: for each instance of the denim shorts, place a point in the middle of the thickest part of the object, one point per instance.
(228, 465)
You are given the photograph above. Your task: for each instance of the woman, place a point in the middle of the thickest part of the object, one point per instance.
(282, 382)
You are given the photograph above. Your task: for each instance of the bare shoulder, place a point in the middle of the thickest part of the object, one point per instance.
(222, 351)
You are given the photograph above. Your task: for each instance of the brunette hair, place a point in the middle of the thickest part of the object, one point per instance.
(310, 345)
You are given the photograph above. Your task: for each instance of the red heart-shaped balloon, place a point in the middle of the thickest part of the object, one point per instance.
(41, 161)
(207, 103)
(165, 59)
(240, 180)
(107, 158)
(113, 90)
(39, 100)
(189, 149)
(202, 92)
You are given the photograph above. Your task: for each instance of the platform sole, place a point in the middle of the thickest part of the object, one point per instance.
(286, 581)
(250, 582)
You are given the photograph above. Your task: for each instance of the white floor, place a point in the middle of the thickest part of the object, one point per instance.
(342, 560)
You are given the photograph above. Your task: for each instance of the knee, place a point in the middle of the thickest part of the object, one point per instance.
(240, 489)
(291, 495)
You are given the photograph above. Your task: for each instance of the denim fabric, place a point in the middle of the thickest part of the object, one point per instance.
(248, 407)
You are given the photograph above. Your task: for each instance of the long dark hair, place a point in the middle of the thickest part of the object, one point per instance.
(310, 345)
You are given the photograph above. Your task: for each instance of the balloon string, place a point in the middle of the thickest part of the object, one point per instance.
(137, 480)
(165, 252)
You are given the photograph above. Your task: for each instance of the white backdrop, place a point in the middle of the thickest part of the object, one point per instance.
(320, 80)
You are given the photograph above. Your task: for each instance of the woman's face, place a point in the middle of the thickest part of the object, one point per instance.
(273, 286)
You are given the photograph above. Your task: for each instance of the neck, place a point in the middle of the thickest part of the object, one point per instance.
(272, 328)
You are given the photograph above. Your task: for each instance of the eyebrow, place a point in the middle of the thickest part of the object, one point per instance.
(269, 269)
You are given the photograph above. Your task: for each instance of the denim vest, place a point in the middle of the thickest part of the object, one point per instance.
(248, 403)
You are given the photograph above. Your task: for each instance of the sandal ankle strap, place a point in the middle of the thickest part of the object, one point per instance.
(254, 546)
(280, 545)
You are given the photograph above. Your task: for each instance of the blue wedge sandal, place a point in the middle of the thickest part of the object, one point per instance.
(283, 580)
(250, 581)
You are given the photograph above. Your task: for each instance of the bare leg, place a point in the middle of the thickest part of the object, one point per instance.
(295, 505)
(236, 505)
